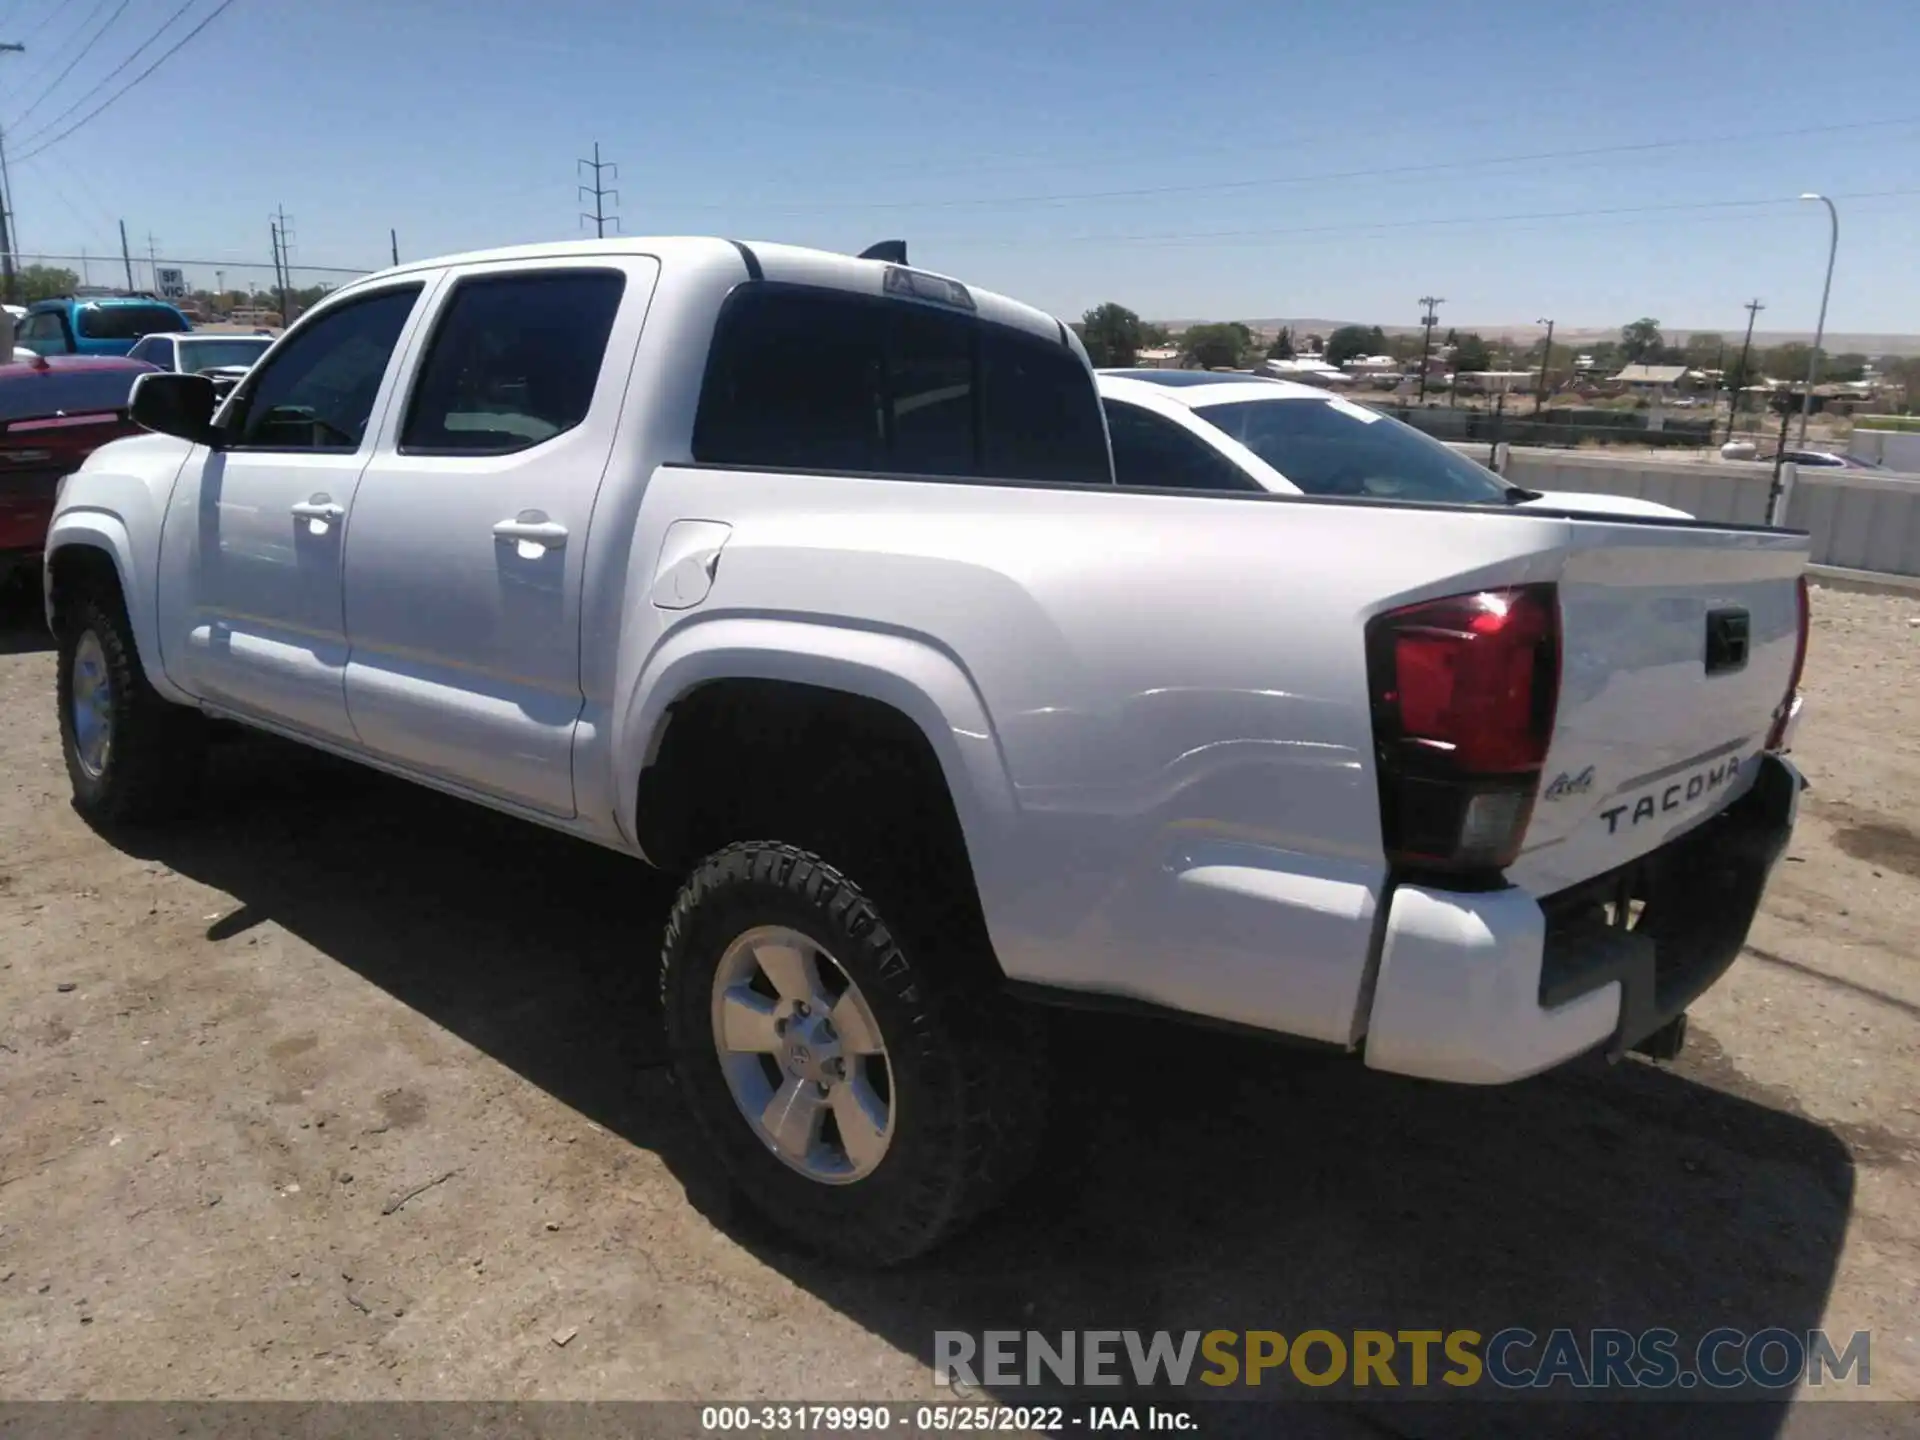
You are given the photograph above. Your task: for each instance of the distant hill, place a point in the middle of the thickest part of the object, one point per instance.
(1835, 342)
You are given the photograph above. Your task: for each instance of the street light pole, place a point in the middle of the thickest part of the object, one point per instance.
(1820, 327)
(1546, 360)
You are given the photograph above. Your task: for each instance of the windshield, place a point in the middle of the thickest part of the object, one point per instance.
(198, 355)
(1332, 447)
(127, 322)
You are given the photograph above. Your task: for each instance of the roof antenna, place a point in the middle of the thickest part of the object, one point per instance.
(894, 251)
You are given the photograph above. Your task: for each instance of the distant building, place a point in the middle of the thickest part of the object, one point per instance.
(1651, 377)
(1164, 357)
(1373, 367)
(1308, 371)
(1495, 382)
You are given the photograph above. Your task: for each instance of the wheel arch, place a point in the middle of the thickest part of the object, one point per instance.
(87, 544)
(908, 675)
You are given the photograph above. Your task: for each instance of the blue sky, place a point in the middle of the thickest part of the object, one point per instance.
(1337, 158)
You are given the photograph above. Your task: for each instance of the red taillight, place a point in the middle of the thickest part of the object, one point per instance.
(1784, 711)
(1464, 690)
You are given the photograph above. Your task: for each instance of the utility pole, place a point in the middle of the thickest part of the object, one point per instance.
(282, 260)
(279, 270)
(599, 192)
(153, 262)
(1427, 322)
(9, 281)
(1753, 307)
(393, 238)
(126, 255)
(1546, 360)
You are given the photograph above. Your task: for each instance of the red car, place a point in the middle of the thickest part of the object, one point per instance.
(54, 412)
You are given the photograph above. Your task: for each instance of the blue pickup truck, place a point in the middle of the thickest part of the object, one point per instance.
(95, 325)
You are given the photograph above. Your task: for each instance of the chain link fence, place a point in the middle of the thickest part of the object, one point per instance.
(250, 295)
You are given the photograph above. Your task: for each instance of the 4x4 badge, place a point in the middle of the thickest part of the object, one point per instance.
(1564, 785)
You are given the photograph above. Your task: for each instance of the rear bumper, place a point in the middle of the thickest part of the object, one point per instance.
(1489, 987)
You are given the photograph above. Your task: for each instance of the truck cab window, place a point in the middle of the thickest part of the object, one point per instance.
(317, 392)
(809, 379)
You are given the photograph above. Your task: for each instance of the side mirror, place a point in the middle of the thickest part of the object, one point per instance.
(175, 404)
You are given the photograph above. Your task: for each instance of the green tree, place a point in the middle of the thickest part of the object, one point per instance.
(1113, 335)
(1405, 346)
(43, 282)
(1316, 344)
(1349, 342)
(1377, 341)
(1843, 368)
(1640, 341)
(1472, 353)
(1902, 371)
(1703, 349)
(1220, 346)
(1282, 347)
(1787, 362)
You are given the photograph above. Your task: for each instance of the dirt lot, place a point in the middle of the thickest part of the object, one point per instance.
(348, 1090)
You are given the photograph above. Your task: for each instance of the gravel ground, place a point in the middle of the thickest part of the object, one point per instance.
(346, 1090)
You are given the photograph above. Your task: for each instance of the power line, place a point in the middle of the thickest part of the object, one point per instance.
(85, 50)
(171, 50)
(53, 9)
(226, 264)
(102, 82)
(599, 217)
(59, 48)
(86, 225)
(1359, 227)
(1373, 173)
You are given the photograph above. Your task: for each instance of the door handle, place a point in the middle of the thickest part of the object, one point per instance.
(318, 508)
(532, 530)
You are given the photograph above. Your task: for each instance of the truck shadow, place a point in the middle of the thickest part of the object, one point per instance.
(23, 629)
(1195, 1182)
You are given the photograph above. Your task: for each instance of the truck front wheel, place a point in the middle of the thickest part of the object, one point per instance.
(864, 1099)
(132, 757)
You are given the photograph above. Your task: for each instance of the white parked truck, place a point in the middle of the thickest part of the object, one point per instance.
(806, 577)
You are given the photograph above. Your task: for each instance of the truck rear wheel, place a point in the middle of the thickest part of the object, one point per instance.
(864, 1099)
(132, 757)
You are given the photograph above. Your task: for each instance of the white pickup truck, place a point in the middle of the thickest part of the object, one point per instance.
(806, 577)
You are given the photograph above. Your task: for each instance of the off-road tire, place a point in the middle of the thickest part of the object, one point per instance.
(158, 751)
(967, 1066)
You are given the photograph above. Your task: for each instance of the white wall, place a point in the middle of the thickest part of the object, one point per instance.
(1858, 520)
(1894, 449)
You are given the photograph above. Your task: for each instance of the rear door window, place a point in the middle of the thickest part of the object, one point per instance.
(1152, 452)
(814, 379)
(513, 361)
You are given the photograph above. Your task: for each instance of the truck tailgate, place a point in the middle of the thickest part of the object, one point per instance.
(1677, 645)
